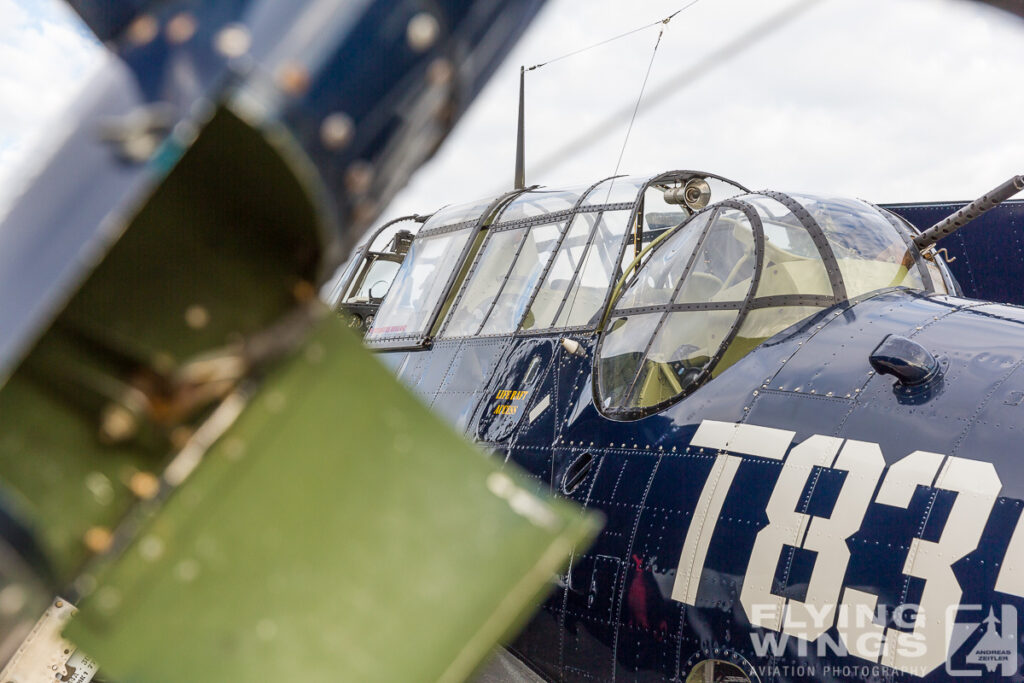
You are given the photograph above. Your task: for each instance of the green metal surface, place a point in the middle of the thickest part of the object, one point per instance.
(210, 238)
(57, 494)
(337, 532)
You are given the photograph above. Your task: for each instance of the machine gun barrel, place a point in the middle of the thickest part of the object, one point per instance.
(955, 221)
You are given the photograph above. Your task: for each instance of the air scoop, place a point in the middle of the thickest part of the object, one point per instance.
(905, 359)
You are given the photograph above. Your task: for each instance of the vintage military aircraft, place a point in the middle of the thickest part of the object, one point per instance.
(179, 455)
(800, 430)
(192, 450)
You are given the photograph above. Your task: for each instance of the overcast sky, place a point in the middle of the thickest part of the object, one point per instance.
(890, 100)
(45, 54)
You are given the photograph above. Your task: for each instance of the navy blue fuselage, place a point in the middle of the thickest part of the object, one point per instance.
(775, 507)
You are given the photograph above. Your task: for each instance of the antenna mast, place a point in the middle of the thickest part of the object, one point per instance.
(520, 180)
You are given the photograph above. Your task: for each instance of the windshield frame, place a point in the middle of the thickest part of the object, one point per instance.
(584, 206)
(742, 307)
(752, 301)
(563, 218)
(597, 210)
(421, 337)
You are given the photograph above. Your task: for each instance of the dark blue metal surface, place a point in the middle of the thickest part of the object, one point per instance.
(350, 95)
(309, 60)
(61, 225)
(612, 614)
(987, 255)
(107, 18)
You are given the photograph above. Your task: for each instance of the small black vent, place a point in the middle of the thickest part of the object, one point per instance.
(577, 473)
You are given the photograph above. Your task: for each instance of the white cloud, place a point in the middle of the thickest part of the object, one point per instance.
(46, 54)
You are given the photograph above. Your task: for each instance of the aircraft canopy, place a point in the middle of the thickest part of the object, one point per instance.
(736, 274)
